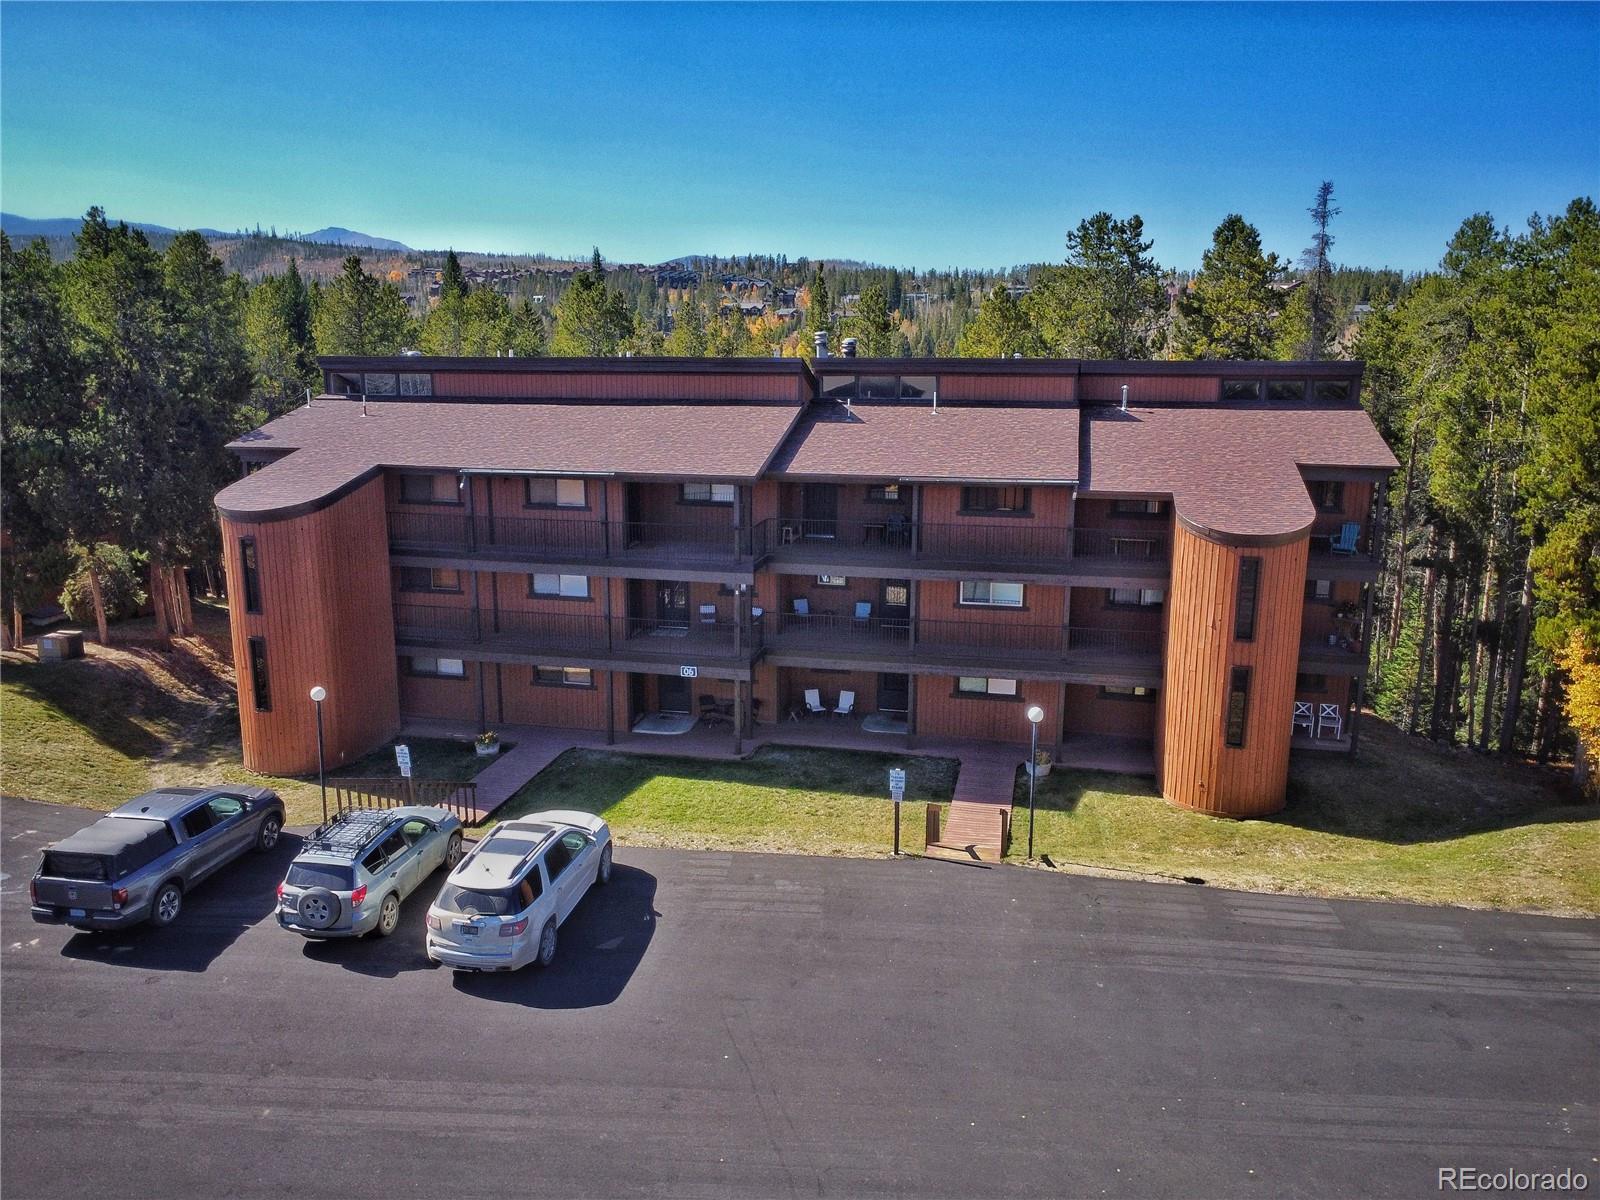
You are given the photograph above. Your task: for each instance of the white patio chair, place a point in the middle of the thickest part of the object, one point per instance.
(814, 701)
(708, 614)
(1330, 716)
(846, 705)
(1303, 719)
(802, 608)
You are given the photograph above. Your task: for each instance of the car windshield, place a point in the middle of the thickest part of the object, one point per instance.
(476, 902)
(314, 874)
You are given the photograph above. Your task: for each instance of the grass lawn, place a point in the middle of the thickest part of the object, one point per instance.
(781, 799)
(99, 730)
(1403, 820)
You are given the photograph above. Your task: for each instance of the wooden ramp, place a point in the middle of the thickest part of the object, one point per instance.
(971, 833)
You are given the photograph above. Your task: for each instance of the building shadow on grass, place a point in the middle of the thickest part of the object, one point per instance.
(215, 914)
(601, 946)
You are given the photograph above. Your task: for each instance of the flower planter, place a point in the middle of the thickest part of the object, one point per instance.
(1036, 771)
(488, 751)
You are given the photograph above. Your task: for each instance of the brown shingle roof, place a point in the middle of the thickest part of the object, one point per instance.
(1229, 470)
(333, 445)
(886, 441)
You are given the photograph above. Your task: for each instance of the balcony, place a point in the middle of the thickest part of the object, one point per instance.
(1332, 654)
(956, 643)
(899, 542)
(1335, 554)
(566, 636)
(567, 540)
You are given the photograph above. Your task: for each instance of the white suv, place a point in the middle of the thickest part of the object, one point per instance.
(499, 908)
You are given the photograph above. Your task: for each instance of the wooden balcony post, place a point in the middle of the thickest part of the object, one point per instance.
(916, 520)
(605, 526)
(611, 701)
(472, 530)
(911, 709)
(477, 611)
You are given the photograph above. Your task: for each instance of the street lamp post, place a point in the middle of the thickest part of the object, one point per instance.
(1035, 715)
(318, 695)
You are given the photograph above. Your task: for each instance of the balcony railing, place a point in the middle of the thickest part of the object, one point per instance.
(522, 632)
(571, 539)
(877, 636)
(1116, 545)
(897, 539)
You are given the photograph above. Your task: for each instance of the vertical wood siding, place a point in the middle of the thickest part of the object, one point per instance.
(1196, 769)
(1144, 389)
(1089, 712)
(326, 619)
(994, 388)
(529, 703)
(942, 713)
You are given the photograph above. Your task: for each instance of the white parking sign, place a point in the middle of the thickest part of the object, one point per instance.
(402, 755)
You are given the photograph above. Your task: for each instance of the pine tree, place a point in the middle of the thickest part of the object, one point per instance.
(1107, 301)
(870, 324)
(592, 320)
(1230, 309)
(688, 338)
(360, 314)
(1001, 329)
(453, 280)
(1318, 270)
(819, 312)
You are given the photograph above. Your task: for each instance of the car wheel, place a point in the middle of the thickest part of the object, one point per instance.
(547, 943)
(452, 852)
(318, 908)
(604, 874)
(388, 915)
(168, 903)
(268, 837)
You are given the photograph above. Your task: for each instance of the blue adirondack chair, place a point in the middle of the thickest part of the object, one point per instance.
(1345, 543)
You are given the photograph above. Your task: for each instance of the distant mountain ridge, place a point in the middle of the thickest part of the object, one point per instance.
(19, 227)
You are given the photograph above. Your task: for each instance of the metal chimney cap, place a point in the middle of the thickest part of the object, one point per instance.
(821, 340)
(849, 347)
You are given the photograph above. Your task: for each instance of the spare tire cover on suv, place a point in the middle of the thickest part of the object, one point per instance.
(318, 908)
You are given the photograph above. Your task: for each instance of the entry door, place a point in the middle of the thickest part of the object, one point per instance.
(820, 507)
(894, 693)
(673, 693)
(633, 514)
(672, 602)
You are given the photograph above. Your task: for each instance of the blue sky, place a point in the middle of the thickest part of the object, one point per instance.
(908, 134)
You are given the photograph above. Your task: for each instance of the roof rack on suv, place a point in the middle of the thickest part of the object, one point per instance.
(350, 832)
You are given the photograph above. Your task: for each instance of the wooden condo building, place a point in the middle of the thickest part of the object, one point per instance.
(1175, 558)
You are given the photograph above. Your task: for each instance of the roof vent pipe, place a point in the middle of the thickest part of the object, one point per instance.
(1124, 397)
(820, 339)
(849, 347)
(364, 404)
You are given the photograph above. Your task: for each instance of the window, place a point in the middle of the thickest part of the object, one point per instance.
(557, 493)
(1320, 590)
(379, 385)
(1015, 500)
(439, 668)
(1238, 705)
(707, 493)
(574, 587)
(839, 387)
(884, 493)
(1241, 389)
(978, 685)
(416, 384)
(1244, 613)
(260, 685)
(1115, 692)
(1136, 597)
(1332, 391)
(992, 593)
(574, 841)
(1133, 547)
(564, 676)
(1310, 683)
(429, 579)
(833, 581)
(919, 387)
(1327, 494)
(197, 821)
(878, 387)
(1137, 508)
(897, 595)
(556, 860)
(415, 830)
(429, 489)
(251, 573)
(224, 808)
(1286, 391)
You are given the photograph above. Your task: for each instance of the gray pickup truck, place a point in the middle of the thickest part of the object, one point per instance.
(137, 863)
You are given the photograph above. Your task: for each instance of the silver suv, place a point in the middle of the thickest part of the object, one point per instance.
(352, 873)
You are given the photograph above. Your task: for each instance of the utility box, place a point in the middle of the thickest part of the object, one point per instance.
(61, 645)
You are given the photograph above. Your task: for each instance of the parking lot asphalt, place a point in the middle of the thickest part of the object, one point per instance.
(751, 1025)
